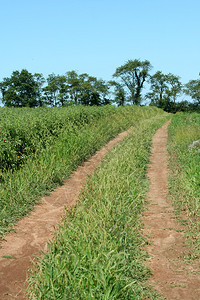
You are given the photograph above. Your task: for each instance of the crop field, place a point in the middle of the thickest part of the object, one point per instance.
(184, 182)
(41, 147)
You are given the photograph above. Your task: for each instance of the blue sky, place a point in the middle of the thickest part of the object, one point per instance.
(97, 36)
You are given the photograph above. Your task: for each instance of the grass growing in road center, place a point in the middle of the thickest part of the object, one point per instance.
(97, 253)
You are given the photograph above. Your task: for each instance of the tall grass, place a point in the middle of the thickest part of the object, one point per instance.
(97, 252)
(25, 131)
(50, 165)
(185, 176)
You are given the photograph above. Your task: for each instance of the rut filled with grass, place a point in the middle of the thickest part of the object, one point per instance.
(184, 183)
(97, 252)
(63, 139)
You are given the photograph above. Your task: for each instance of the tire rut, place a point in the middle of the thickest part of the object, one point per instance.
(166, 243)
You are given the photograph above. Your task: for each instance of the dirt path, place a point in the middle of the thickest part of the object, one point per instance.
(33, 232)
(171, 275)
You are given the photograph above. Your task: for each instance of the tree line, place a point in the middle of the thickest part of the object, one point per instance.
(23, 88)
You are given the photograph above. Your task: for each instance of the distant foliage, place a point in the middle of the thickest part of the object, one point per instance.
(24, 89)
(165, 90)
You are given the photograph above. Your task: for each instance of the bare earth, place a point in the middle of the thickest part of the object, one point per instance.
(33, 232)
(171, 275)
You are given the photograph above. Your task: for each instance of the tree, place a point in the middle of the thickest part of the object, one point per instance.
(133, 75)
(63, 90)
(73, 82)
(51, 90)
(89, 95)
(164, 90)
(119, 93)
(21, 89)
(56, 93)
(159, 89)
(102, 88)
(87, 90)
(192, 88)
(175, 86)
(39, 79)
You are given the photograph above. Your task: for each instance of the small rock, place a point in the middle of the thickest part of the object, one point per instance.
(194, 145)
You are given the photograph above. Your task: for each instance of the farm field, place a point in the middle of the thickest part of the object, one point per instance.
(41, 147)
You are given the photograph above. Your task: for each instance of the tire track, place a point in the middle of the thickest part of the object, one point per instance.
(166, 243)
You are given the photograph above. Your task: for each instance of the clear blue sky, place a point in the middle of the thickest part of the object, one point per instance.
(97, 36)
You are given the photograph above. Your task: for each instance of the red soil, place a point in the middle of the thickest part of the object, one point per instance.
(171, 275)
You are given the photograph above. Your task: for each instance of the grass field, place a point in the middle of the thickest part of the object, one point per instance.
(98, 251)
(25, 131)
(41, 147)
(185, 175)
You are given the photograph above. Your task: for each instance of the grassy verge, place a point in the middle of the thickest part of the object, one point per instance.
(97, 253)
(20, 189)
(185, 175)
(27, 131)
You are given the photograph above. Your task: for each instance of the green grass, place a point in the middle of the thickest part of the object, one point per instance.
(50, 165)
(98, 251)
(184, 181)
(26, 131)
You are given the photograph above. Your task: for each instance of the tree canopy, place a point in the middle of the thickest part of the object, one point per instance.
(164, 90)
(192, 88)
(23, 88)
(133, 75)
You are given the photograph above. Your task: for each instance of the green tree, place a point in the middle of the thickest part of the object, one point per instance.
(164, 90)
(102, 89)
(89, 94)
(75, 89)
(39, 80)
(133, 75)
(51, 90)
(175, 86)
(119, 93)
(56, 93)
(73, 83)
(159, 89)
(21, 89)
(63, 90)
(192, 88)
(87, 90)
